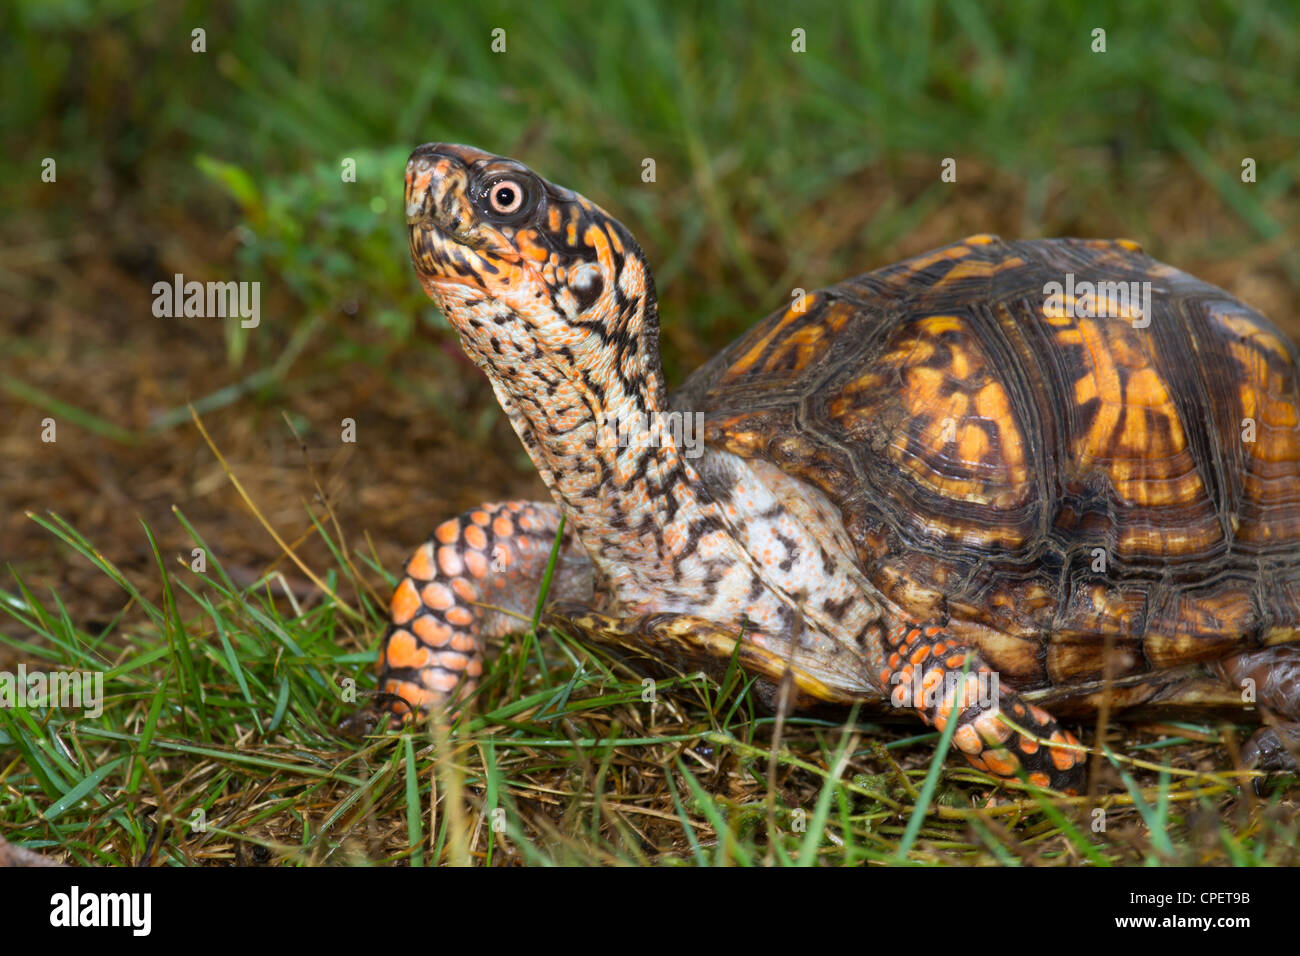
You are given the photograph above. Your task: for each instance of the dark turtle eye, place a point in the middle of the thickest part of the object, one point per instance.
(505, 197)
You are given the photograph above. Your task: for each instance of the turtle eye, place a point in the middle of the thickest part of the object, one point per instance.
(505, 197)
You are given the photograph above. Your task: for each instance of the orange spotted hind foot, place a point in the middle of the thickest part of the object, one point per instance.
(924, 671)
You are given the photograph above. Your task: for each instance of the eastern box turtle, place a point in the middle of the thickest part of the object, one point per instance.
(996, 478)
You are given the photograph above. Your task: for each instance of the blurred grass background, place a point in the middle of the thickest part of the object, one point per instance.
(775, 169)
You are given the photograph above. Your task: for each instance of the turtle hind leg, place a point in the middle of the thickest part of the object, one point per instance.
(923, 670)
(452, 594)
(1274, 675)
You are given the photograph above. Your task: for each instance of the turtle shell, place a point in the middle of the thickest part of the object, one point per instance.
(1022, 451)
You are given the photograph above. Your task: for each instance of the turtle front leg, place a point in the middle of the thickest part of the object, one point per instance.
(923, 671)
(478, 576)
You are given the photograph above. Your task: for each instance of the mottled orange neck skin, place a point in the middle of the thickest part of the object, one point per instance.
(554, 301)
(558, 308)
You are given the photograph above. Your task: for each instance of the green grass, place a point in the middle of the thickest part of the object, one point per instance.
(774, 170)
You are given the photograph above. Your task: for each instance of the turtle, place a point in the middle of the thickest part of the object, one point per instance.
(1001, 483)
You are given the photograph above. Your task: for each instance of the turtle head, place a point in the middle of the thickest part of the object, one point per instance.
(512, 259)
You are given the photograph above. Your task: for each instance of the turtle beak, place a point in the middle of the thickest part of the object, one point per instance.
(434, 171)
(414, 211)
(428, 175)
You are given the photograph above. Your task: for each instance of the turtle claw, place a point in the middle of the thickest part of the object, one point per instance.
(1272, 748)
(1266, 751)
(359, 724)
